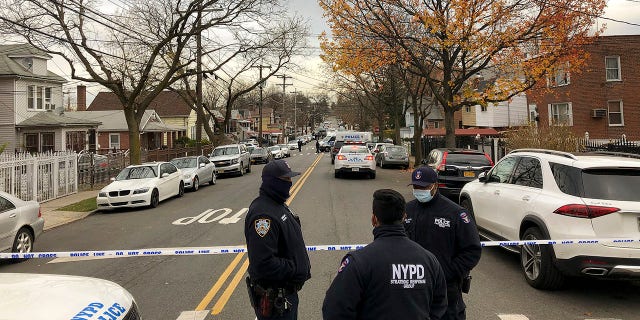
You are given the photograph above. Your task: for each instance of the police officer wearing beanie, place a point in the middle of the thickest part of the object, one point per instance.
(391, 278)
(448, 231)
(278, 260)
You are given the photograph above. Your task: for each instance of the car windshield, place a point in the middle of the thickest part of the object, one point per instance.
(257, 151)
(468, 159)
(224, 151)
(397, 149)
(183, 163)
(144, 172)
(611, 184)
(274, 148)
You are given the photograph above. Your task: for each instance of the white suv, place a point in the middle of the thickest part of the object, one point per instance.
(536, 194)
(231, 158)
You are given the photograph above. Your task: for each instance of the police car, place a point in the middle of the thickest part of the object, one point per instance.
(64, 297)
(355, 159)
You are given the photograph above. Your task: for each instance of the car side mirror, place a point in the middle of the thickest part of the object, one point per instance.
(112, 179)
(202, 165)
(164, 175)
(482, 177)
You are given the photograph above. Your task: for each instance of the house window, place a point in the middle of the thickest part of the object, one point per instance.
(612, 66)
(76, 140)
(468, 108)
(31, 97)
(436, 124)
(560, 77)
(31, 142)
(39, 98)
(483, 108)
(47, 99)
(615, 114)
(48, 142)
(560, 114)
(114, 141)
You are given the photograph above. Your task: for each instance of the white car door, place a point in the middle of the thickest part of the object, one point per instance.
(165, 184)
(207, 170)
(8, 218)
(487, 200)
(518, 198)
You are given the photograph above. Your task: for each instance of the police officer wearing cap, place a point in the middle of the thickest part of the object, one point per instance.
(448, 231)
(278, 260)
(391, 278)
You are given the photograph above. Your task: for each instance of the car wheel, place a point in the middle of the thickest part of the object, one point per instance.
(181, 189)
(249, 168)
(372, 175)
(537, 262)
(332, 161)
(382, 163)
(196, 184)
(336, 174)
(213, 179)
(241, 169)
(23, 242)
(155, 198)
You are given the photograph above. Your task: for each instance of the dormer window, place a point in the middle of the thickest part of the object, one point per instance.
(39, 98)
(27, 63)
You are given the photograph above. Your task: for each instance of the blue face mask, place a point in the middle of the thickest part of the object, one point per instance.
(422, 195)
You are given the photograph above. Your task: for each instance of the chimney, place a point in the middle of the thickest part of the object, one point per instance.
(82, 98)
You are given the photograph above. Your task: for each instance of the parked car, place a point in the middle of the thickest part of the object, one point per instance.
(376, 146)
(324, 143)
(64, 297)
(196, 170)
(293, 145)
(260, 155)
(231, 158)
(21, 223)
(100, 162)
(276, 152)
(356, 159)
(456, 167)
(286, 153)
(390, 155)
(142, 185)
(543, 194)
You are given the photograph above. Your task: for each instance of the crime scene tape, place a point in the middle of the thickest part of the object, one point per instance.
(239, 249)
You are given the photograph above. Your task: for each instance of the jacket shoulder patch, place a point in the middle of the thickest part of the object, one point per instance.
(262, 226)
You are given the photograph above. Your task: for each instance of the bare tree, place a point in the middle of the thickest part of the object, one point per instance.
(136, 52)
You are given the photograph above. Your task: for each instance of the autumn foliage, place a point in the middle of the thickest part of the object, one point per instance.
(514, 44)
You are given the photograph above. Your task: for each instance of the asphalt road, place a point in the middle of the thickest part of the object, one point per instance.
(332, 211)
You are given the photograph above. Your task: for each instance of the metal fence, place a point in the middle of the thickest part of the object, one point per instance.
(39, 177)
(168, 154)
(97, 169)
(620, 145)
(494, 147)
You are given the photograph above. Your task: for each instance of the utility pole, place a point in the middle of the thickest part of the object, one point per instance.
(261, 86)
(284, 85)
(295, 111)
(199, 119)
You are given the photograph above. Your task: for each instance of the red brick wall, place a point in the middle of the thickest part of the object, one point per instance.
(588, 89)
(103, 140)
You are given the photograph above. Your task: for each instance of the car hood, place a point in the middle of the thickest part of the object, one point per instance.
(224, 157)
(129, 184)
(188, 170)
(48, 296)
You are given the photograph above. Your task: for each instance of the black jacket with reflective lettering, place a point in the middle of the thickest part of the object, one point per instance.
(446, 230)
(391, 278)
(277, 253)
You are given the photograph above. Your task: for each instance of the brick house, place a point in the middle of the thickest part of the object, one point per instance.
(600, 100)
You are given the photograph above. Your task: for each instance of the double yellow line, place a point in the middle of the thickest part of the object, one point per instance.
(224, 298)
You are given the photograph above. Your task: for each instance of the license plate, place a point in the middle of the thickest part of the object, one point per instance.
(469, 174)
(220, 170)
(355, 169)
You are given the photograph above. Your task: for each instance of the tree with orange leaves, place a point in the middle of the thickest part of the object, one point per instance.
(449, 42)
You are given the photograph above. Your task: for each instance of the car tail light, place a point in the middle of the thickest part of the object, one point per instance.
(442, 185)
(584, 211)
(368, 158)
(341, 157)
(444, 162)
(489, 158)
(39, 212)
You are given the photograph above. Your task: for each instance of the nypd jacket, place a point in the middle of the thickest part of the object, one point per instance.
(447, 230)
(277, 253)
(391, 278)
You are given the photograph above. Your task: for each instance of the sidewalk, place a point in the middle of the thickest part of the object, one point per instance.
(53, 218)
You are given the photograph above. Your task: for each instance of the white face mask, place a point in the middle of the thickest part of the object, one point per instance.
(422, 195)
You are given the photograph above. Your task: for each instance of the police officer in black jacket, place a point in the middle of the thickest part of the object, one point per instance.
(391, 278)
(447, 230)
(278, 260)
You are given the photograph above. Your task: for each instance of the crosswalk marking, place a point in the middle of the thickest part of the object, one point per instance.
(512, 317)
(193, 315)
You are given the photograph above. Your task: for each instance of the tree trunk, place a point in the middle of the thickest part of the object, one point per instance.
(450, 128)
(134, 135)
(417, 133)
